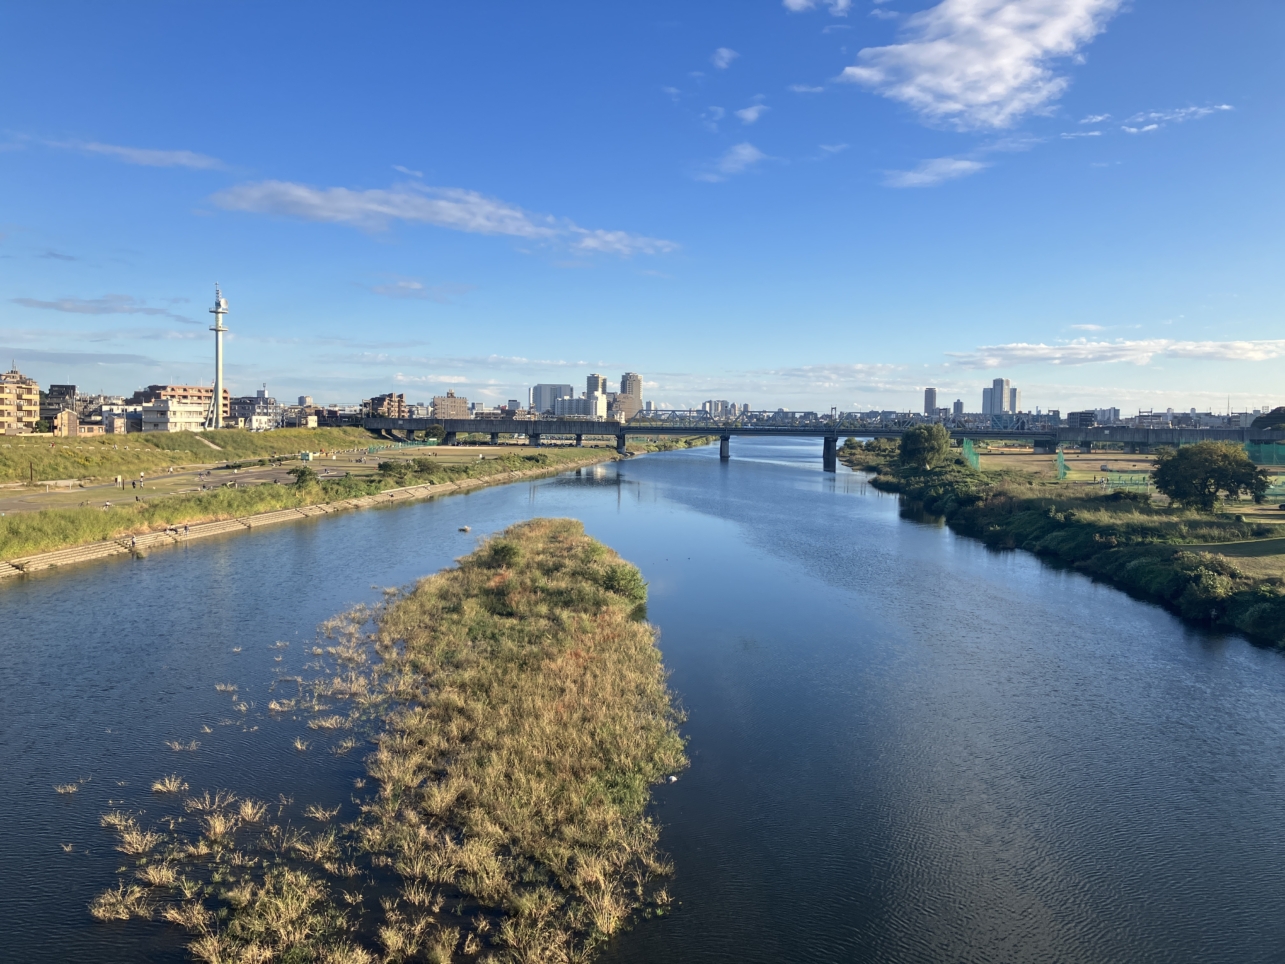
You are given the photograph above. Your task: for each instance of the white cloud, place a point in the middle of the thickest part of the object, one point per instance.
(722, 57)
(407, 170)
(1141, 130)
(143, 156)
(711, 116)
(833, 148)
(1177, 116)
(838, 8)
(1140, 352)
(879, 14)
(804, 89)
(739, 158)
(1088, 327)
(934, 171)
(106, 305)
(445, 207)
(1074, 134)
(1095, 118)
(410, 288)
(749, 115)
(981, 63)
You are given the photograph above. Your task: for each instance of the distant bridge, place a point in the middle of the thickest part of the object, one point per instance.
(830, 431)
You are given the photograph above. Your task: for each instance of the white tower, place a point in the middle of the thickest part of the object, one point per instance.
(215, 418)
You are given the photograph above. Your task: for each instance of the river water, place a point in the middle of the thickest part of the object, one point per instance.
(905, 747)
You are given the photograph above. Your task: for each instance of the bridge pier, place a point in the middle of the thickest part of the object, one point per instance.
(1086, 448)
(495, 438)
(725, 447)
(620, 445)
(533, 439)
(449, 438)
(579, 441)
(830, 454)
(1043, 447)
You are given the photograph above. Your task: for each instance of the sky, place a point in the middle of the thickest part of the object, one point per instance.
(787, 203)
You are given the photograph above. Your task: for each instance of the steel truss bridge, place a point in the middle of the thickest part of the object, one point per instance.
(830, 431)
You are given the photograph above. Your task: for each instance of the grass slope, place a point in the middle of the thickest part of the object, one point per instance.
(27, 533)
(107, 456)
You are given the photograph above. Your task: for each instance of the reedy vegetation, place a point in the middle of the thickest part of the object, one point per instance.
(524, 716)
(1121, 538)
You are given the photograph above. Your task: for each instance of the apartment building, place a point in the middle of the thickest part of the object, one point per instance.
(19, 403)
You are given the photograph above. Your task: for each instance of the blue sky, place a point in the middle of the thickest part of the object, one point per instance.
(799, 204)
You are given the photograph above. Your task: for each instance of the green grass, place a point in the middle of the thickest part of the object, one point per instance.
(524, 717)
(105, 457)
(27, 533)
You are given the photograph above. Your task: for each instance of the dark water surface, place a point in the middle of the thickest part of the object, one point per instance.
(904, 747)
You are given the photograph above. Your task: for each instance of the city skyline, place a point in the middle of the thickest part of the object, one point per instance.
(774, 201)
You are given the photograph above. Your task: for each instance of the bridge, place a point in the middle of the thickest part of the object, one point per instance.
(830, 431)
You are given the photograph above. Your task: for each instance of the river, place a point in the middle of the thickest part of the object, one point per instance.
(905, 747)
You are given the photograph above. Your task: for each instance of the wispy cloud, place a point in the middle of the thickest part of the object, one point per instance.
(407, 171)
(934, 171)
(838, 8)
(1088, 327)
(880, 14)
(738, 159)
(147, 157)
(106, 305)
(1073, 135)
(982, 63)
(1140, 352)
(722, 57)
(710, 117)
(410, 288)
(833, 148)
(445, 207)
(1095, 118)
(1154, 120)
(749, 115)
(52, 255)
(804, 89)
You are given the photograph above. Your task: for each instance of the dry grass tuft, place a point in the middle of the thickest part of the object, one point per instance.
(126, 901)
(158, 875)
(327, 723)
(252, 811)
(170, 784)
(65, 788)
(301, 744)
(321, 814)
(179, 745)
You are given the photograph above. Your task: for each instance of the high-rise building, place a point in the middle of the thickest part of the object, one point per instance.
(958, 408)
(596, 384)
(1000, 401)
(544, 396)
(19, 403)
(629, 401)
(1014, 399)
(450, 406)
(986, 401)
(930, 401)
(392, 405)
(305, 399)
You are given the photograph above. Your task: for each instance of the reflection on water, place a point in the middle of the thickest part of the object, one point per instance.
(905, 747)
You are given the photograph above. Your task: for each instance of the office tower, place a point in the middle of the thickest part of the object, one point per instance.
(596, 384)
(986, 401)
(543, 397)
(958, 408)
(930, 401)
(1000, 401)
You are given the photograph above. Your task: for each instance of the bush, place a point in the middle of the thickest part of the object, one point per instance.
(625, 580)
(303, 475)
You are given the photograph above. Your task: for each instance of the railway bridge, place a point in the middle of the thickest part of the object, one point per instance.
(830, 431)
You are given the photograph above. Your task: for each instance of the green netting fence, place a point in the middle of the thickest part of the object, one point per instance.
(970, 454)
(1061, 465)
(1266, 453)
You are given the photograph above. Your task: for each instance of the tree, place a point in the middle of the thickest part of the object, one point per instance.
(303, 475)
(925, 446)
(1195, 475)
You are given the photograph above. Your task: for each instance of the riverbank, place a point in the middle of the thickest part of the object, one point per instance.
(41, 540)
(523, 717)
(1187, 562)
(39, 458)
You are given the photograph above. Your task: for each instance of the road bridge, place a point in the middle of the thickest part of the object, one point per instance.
(830, 431)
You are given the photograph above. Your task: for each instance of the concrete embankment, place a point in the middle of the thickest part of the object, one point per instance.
(176, 535)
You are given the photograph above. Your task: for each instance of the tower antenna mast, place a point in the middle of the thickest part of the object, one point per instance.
(215, 417)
